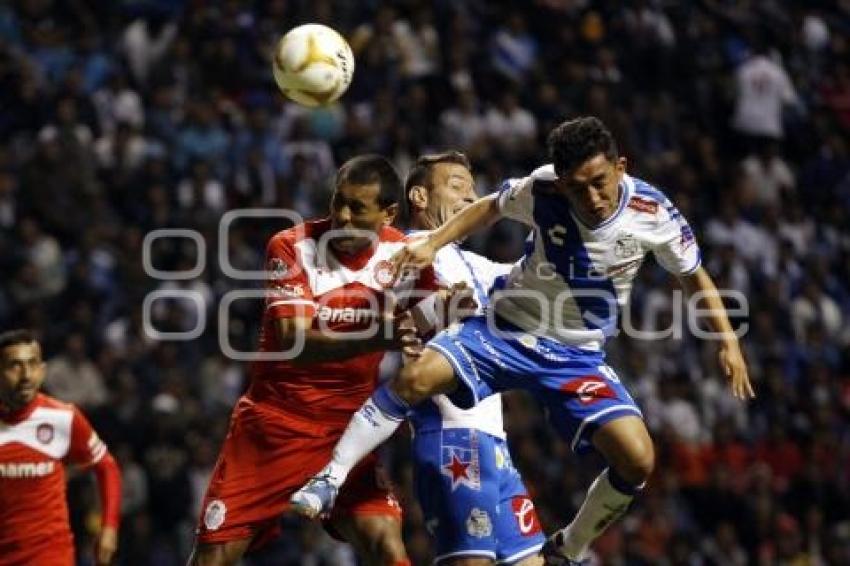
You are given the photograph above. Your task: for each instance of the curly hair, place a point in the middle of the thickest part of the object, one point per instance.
(575, 141)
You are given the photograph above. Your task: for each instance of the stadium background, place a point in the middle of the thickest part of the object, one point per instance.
(117, 118)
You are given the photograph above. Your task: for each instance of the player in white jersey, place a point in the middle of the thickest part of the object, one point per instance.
(475, 504)
(593, 226)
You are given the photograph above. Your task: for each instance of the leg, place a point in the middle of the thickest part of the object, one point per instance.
(219, 554)
(375, 538)
(372, 424)
(626, 446)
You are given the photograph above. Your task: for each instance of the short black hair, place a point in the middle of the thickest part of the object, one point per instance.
(15, 337)
(575, 141)
(369, 169)
(420, 173)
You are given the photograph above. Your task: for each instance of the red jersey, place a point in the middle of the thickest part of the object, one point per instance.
(342, 294)
(35, 443)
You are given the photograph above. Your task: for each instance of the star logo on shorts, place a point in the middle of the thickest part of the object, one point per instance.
(457, 470)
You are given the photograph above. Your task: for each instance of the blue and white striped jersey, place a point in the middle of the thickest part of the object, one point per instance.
(574, 278)
(453, 265)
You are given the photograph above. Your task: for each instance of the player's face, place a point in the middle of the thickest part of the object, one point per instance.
(354, 210)
(21, 374)
(593, 188)
(452, 189)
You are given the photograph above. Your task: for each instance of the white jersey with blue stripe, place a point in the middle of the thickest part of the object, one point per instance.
(454, 265)
(574, 278)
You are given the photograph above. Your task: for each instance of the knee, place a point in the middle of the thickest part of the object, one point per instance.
(387, 546)
(639, 462)
(413, 384)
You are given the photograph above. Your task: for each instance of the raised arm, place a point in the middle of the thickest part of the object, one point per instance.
(421, 252)
(730, 357)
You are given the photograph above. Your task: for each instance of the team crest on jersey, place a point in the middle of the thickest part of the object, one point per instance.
(384, 273)
(478, 523)
(526, 515)
(626, 246)
(44, 433)
(214, 514)
(278, 268)
(589, 389)
(460, 461)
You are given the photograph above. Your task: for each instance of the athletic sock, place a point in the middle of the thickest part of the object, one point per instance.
(607, 500)
(371, 425)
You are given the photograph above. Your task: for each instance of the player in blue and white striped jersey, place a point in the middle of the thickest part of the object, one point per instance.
(593, 226)
(475, 504)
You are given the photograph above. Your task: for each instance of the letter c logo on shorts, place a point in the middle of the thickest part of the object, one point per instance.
(214, 514)
(589, 389)
(526, 515)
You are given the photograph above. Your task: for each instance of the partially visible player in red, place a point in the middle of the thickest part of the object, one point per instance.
(38, 436)
(327, 280)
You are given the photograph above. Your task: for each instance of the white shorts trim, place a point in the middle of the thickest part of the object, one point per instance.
(603, 412)
(521, 554)
(483, 553)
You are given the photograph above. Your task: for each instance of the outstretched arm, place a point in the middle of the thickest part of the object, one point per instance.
(730, 357)
(420, 252)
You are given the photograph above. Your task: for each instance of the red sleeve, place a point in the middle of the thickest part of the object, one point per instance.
(87, 449)
(109, 487)
(288, 292)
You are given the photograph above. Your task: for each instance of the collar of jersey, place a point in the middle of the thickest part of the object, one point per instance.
(625, 195)
(22, 413)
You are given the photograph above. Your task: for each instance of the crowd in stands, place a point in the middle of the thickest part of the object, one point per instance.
(124, 117)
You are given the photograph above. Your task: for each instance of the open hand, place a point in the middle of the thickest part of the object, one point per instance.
(105, 546)
(735, 369)
(416, 254)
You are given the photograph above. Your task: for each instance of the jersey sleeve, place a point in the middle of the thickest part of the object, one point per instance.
(516, 200)
(86, 448)
(677, 250)
(288, 292)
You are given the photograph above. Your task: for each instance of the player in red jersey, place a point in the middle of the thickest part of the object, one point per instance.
(327, 285)
(38, 435)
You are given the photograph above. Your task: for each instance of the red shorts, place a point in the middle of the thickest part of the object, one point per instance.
(267, 455)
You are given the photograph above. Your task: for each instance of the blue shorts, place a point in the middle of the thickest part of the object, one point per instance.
(473, 498)
(578, 390)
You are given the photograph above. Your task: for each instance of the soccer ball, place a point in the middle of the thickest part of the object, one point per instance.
(313, 65)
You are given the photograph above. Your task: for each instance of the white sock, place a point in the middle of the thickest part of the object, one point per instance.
(602, 505)
(367, 429)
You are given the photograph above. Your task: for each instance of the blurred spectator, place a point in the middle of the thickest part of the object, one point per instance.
(73, 377)
(763, 89)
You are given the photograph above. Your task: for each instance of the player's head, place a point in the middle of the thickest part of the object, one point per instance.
(366, 196)
(21, 368)
(438, 187)
(588, 167)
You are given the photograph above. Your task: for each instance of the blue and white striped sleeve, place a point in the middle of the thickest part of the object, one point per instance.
(677, 250)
